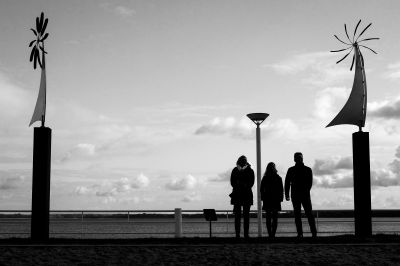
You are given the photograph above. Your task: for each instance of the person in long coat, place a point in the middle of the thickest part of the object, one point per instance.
(272, 195)
(242, 181)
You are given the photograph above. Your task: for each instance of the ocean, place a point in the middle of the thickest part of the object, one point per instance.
(103, 227)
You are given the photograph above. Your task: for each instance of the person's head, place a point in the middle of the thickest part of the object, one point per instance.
(242, 161)
(271, 169)
(298, 157)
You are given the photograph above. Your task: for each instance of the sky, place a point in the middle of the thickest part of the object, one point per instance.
(147, 100)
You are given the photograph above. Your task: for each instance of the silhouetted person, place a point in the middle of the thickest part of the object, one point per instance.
(272, 196)
(242, 180)
(299, 178)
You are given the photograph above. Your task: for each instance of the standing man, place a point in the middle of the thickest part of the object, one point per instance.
(300, 179)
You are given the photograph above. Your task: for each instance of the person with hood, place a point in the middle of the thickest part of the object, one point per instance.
(242, 181)
(272, 196)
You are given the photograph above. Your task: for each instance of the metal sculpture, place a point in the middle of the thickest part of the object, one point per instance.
(41, 169)
(355, 110)
(37, 55)
(354, 113)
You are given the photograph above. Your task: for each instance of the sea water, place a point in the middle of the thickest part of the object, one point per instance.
(191, 227)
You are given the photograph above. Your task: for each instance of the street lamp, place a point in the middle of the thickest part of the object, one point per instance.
(258, 118)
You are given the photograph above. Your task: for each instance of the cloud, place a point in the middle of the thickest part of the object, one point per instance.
(9, 181)
(397, 152)
(80, 150)
(222, 177)
(245, 129)
(191, 197)
(184, 183)
(331, 166)
(140, 181)
(334, 181)
(385, 109)
(393, 71)
(340, 202)
(14, 101)
(299, 63)
(82, 190)
(385, 178)
(112, 189)
(316, 68)
(124, 11)
(120, 10)
(337, 173)
(379, 178)
(329, 101)
(239, 129)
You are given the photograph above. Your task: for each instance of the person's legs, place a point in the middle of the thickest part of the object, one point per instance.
(308, 210)
(237, 210)
(246, 220)
(274, 223)
(297, 216)
(268, 221)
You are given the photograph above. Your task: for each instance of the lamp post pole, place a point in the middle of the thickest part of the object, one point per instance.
(258, 118)
(259, 210)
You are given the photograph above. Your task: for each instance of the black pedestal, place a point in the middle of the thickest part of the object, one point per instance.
(362, 185)
(41, 183)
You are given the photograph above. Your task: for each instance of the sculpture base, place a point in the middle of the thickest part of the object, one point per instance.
(362, 185)
(41, 183)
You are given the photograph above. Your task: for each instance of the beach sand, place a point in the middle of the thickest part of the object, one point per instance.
(226, 251)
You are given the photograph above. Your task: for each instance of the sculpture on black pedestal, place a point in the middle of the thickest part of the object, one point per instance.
(41, 140)
(354, 113)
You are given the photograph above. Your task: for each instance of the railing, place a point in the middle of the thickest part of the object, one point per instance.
(170, 223)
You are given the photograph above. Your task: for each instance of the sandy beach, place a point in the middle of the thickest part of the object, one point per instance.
(384, 250)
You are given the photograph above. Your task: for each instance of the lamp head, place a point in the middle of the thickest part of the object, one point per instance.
(258, 118)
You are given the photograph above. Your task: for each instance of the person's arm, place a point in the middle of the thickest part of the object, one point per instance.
(262, 187)
(233, 178)
(287, 184)
(251, 181)
(280, 189)
(310, 179)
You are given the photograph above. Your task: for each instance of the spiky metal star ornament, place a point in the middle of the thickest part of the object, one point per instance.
(38, 57)
(355, 110)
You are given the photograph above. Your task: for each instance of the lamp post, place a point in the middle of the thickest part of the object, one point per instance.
(258, 118)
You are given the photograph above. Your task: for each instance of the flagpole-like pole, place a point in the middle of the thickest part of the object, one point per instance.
(45, 92)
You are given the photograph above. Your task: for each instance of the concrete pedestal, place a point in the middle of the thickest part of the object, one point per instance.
(362, 185)
(41, 183)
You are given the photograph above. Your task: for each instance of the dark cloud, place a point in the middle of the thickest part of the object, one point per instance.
(334, 181)
(385, 178)
(380, 178)
(398, 152)
(390, 110)
(11, 179)
(337, 173)
(395, 166)
(331, 166)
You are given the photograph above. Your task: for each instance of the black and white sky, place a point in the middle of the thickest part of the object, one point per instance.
(148, 99)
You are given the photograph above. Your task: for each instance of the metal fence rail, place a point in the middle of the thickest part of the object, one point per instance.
(163, 223)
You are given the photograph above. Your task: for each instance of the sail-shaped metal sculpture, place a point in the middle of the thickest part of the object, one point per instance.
(38, 56)
(355, 110)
